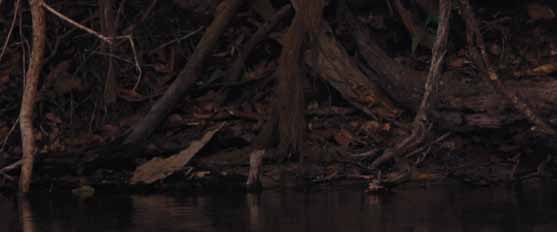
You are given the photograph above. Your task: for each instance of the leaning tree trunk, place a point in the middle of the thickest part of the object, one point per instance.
(29, 95)
(187, 76)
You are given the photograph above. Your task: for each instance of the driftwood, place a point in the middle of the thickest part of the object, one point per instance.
(157, 169)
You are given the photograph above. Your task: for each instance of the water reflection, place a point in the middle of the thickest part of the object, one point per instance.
(26, 215)
(454, 208)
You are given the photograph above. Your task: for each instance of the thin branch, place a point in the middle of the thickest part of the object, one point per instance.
(106, 39)
(11, 166)
(12, 25)
(176, 40)
(9, 133)
(142, 18)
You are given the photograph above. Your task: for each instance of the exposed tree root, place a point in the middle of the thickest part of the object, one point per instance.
(420, 124)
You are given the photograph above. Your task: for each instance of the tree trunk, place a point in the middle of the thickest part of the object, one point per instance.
(29, 95)
(187, 76)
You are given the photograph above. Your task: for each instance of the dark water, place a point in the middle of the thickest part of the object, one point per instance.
(438, 208)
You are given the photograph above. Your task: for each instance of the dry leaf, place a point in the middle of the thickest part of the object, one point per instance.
(343, 137)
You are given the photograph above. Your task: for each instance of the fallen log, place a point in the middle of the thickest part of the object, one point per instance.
(464, 101)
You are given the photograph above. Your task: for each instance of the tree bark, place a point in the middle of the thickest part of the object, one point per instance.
(29, 147)
(290, 92)
(335, 67)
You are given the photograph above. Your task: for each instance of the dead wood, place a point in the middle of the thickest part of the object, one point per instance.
(29, 147)
(477, 51)
(465, 101)
(157, 169)
(188, 75)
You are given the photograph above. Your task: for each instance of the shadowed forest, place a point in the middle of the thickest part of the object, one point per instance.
(250, 94)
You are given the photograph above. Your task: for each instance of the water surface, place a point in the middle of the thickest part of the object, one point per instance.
(437, 208)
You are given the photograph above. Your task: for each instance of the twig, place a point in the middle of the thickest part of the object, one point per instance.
(142, 18)
(11, 166)
(176, 40)
(136, 61)
(12, 25)
(9, 133)
(441, 138)
(106, 39)
(6, 176)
